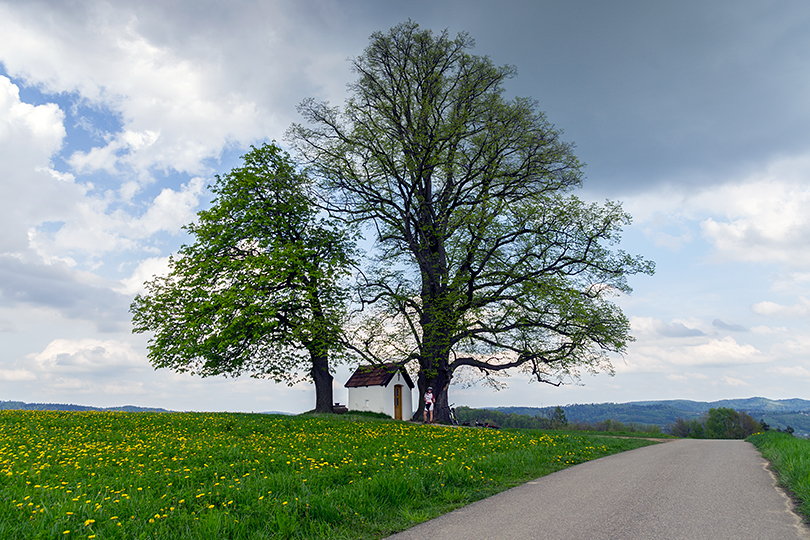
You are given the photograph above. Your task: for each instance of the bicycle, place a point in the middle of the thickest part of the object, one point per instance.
(451, 414)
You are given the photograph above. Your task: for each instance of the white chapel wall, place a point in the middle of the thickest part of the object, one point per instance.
(381, 398)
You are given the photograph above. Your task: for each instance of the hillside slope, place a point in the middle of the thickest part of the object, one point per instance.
(22, 406)
(778, 414)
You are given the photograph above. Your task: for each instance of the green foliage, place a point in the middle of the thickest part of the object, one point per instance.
(790, 457)
(369, 414)
(693, 428)
(258, 291)
(485, 260)
(558, 419)
(628, 413)
(719, 423)
(555, 421)
(240, 476)
(507, 420)
(796, 421)
(779, 414)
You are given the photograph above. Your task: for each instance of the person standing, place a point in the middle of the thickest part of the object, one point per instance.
(427, 417)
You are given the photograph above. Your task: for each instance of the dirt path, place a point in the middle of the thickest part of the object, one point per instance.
(685, 489)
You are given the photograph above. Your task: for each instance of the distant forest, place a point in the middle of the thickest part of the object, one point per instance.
(778, 414)
(22, 406)
(556, 420)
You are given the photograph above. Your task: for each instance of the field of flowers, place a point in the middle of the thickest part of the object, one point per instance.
(198, 475)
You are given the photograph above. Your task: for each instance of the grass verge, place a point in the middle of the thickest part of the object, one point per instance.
(243, 476)
(790, 458)
(655, 435)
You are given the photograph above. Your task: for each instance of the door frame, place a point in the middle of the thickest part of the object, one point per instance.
(398, 402)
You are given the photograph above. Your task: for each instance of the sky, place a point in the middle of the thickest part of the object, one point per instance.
(115, 116)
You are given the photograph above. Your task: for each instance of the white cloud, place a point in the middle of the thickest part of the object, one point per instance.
(759, 218)
(724, 351)
(769, 330)
(77, 358)
(182, 92)
(185, 87)
(172, 209)
(102, 369)
(668, 348)
(41, 122)
(764, 217)
(733, 381)
(175, 108)
(113, 372)
(45, 211)
(29, 191)
(145, 271)
(795, 346)
(650, 326)
(13, 375)
(95, 229)
(800, 372)
(791, 282)
(772, 309)
(74, 294)
(56, 229)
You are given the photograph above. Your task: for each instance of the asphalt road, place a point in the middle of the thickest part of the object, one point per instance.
(684, 489)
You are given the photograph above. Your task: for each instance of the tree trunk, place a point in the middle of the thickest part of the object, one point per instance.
(438, 322)
(440, 384)
(323, 382)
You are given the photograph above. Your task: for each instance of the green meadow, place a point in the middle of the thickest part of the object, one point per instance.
(199, 475)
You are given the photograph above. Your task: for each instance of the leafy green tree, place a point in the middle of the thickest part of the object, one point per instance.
(258, 290)
(558, 419)
(696, 429)
(486, 260)
(725, 423)
(719, 423)
(680, 428)
(749, 426)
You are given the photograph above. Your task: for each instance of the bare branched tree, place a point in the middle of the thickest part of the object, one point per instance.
(485, 259)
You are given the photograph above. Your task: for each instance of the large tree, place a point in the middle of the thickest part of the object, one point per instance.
(258, 290)
(485, 260)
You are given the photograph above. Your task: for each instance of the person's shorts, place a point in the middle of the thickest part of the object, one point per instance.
(428, 406)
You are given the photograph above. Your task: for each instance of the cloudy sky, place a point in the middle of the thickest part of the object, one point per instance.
(115, 115)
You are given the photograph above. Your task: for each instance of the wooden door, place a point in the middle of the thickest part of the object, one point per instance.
(398, 401)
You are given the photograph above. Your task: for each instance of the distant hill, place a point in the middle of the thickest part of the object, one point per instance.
(22, 406)
(777, 413)
(19, 405)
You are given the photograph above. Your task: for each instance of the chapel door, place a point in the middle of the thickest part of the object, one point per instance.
(398, 401)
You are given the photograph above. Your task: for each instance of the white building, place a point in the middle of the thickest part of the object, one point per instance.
(383, 388)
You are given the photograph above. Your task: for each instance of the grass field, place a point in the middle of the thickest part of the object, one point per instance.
(790, 458)
(196, 475)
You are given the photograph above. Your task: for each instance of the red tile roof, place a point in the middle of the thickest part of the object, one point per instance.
(377, 375)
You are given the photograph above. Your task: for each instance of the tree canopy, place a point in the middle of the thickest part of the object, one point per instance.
(485, 259)
(718, 423)
(259, 290)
